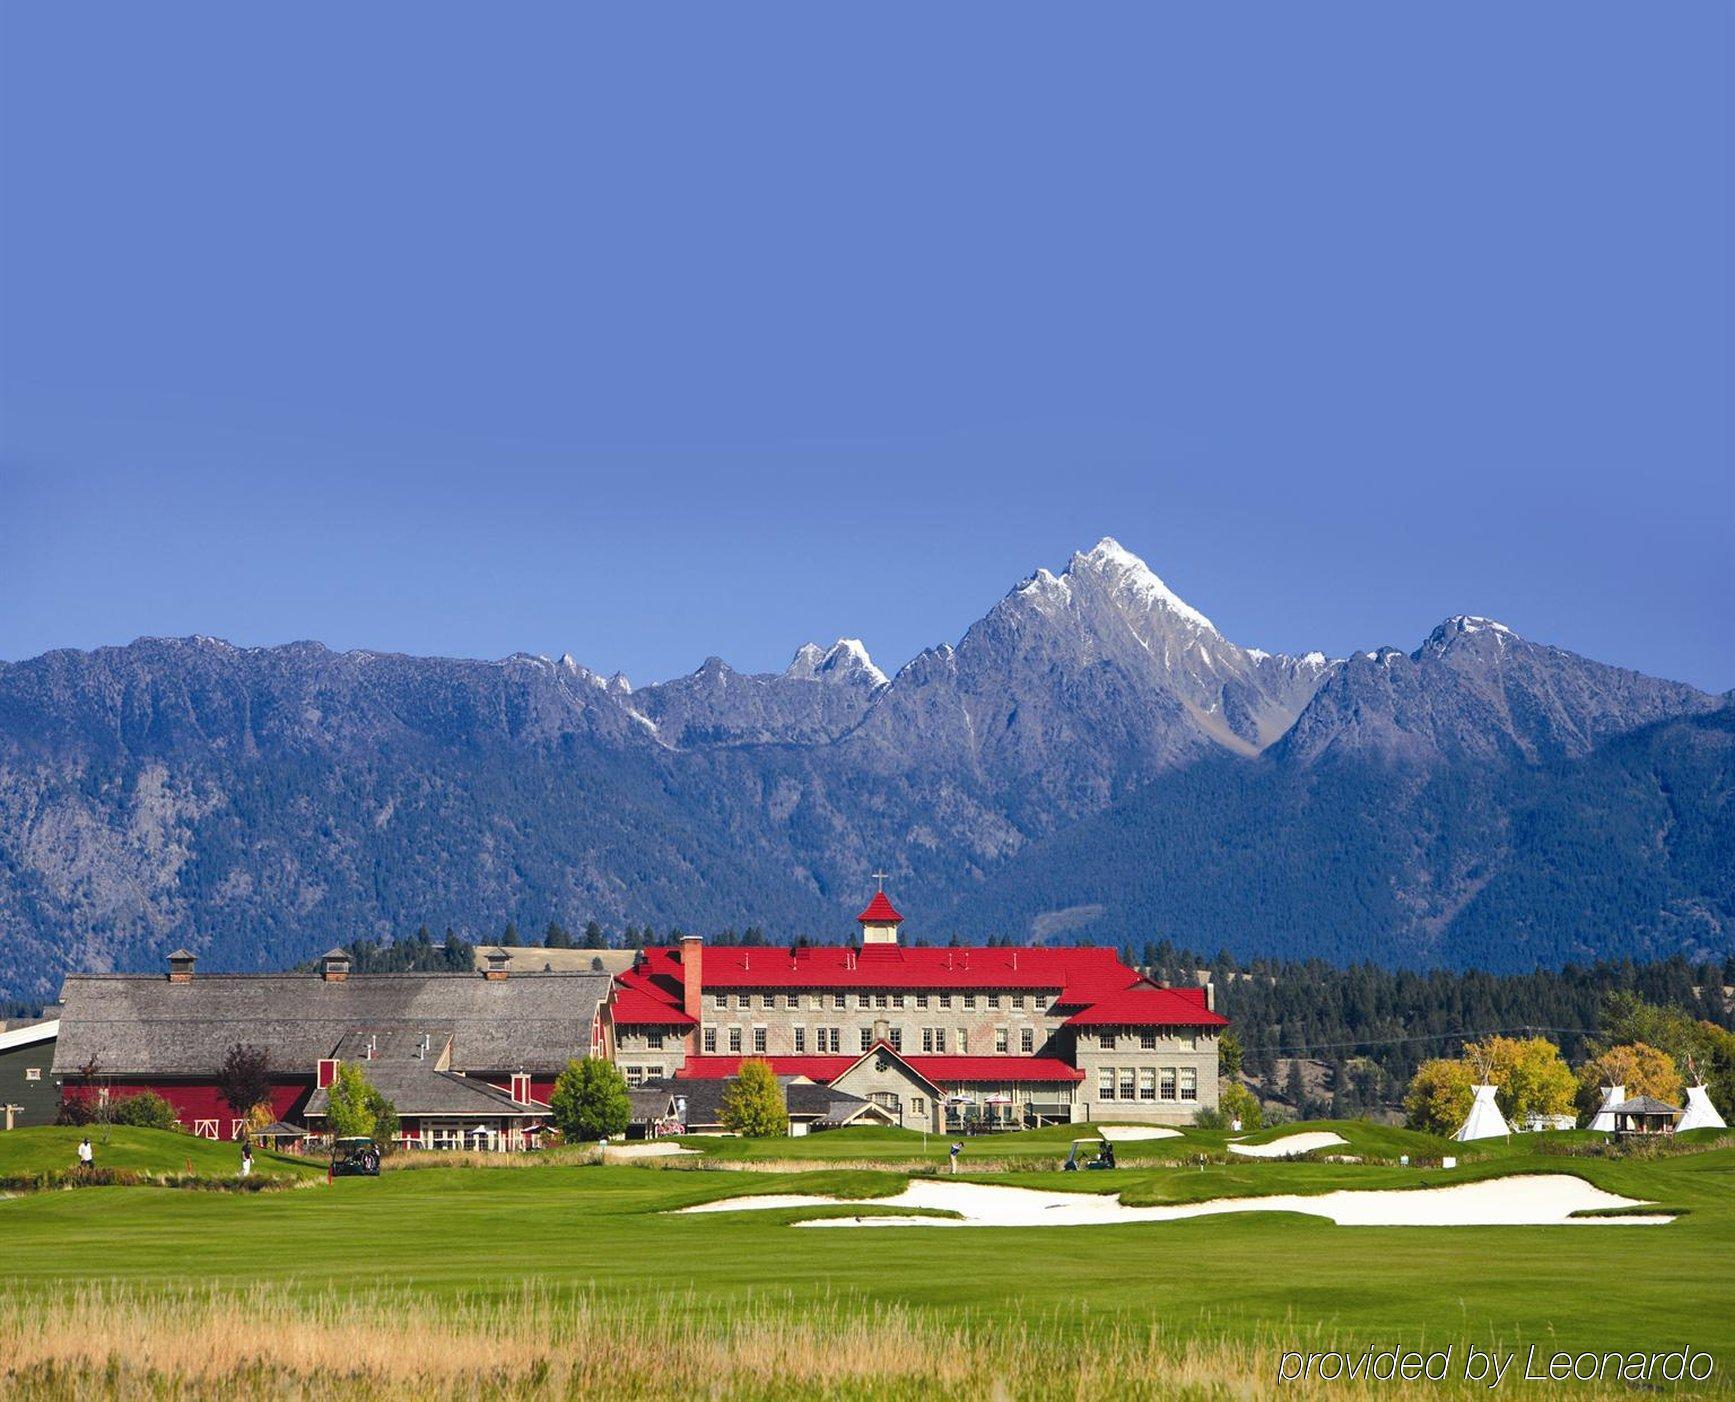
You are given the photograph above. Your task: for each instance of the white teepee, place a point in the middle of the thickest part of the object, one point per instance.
(1701, 1113)
(1605, 1115)
(1486, 1121)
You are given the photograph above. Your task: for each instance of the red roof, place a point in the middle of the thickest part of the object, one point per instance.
(880, 912)
(949, 1070)
(650, 997)
(1082, 974)
(824, 1069)
(940, 1070)
(1149, 1006)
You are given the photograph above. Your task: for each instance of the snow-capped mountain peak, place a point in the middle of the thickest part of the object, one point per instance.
(1129, 578)
(847, 658)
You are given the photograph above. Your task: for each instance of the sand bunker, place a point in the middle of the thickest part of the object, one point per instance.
(1121, 1134)
(1525, 1200)
(652, 1149)
(1290, 1144)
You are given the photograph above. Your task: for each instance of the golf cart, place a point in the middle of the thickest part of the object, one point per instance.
(1081, 1155)
(355, 1157)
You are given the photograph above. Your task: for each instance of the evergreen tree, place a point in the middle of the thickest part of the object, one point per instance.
(509, 936)
(594, 938)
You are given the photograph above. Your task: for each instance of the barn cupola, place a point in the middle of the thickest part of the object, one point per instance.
(181, 966)
(334, 965)
(498, 960)
(879, 922)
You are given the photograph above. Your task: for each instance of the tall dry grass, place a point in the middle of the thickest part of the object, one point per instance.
(126, 1342)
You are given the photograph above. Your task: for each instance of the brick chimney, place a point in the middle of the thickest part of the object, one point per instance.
(181, 966)
(334, 965)
(497, 959)
(692, 975)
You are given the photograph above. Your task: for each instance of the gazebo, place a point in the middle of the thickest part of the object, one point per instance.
(281, 1136)
(1644, 1115)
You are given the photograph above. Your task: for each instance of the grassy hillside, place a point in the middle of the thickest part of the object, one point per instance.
(47, 1148)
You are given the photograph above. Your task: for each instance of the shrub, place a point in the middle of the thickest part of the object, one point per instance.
(1210, 1117)
(590, 1100)
(144, 1110)
(753, 1104)
(357, 1108)
(1439, 1096)
(1239, 1103)
(75, 1109)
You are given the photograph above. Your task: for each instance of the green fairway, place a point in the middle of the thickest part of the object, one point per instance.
(601, 1236)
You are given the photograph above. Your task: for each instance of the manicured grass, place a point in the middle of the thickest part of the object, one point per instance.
(47, 1148)
(598, 1237)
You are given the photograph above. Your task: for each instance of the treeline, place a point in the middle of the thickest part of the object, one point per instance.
(1371, 1027)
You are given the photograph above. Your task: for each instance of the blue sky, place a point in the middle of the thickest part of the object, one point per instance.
(650, 334)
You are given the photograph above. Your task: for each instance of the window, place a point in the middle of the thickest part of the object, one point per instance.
(743, 1000)
(1187, 1041)
(963, 1041)
(993, 1000)
(33, 1073)
(945, 1000)
(1147, 1040)
(1168, 1083)
(970, 1000)
(654, 1040)
(759, 1040)
(1105, 1083)
(1000, 1040)
(886, 1100)
(881, 1000)
(768, 1000)
(1108, 1041)
(918, 1105)
(817, 1001)
(800, 1040)
(710, 1041)
(934, 1040)
(897, 1034)
(719, 1000)
(635, 1076)
(839, 1000)
(1018, 1001)
(867, 1039)
(1027, 1040)
(792, 1000)
(921, 1000)
(1147, 1084)
(653, 1073)
(735, 1039)
(835, 1042)
(1127, 1090)
(897, 1000)
(861, 1000)
(1189, 1083)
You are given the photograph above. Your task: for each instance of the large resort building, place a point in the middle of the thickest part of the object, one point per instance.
(937, 1037)
(872, 1032)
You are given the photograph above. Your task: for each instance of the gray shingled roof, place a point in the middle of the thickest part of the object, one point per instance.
(1644, 1105)
(141, 1024)
(804, 1099)
(416, 1089)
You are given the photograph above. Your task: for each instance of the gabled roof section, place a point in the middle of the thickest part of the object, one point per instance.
(651, 994)
(30, 1034)
(415, 1088)
(1149, 1006)
(142, 1024)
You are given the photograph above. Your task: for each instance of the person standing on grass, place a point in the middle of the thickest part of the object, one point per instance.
(84, 1153)
(246, 1158)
